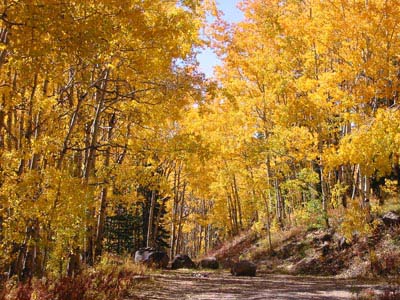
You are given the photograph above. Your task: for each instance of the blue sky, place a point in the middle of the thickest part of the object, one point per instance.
(207, 57)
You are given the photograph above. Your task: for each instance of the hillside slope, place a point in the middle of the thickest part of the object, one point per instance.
(322, 251)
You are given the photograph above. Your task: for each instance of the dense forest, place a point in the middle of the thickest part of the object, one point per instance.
(111, 139)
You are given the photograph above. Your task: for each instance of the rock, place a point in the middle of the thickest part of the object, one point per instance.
(158, 259)
(200, 275)
(325, 248)
(209, 263)
(343, 243)
(152, 257)
(244, 268)
(142, 255)
(182, 261)
(322, 237)
(391, 219)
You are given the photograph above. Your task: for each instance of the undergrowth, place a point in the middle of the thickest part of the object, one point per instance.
(111, 282)
(388, 294)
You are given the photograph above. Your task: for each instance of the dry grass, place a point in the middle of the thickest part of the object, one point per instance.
(388, 294)
(112, 279)
(262, 248)
(232, 250)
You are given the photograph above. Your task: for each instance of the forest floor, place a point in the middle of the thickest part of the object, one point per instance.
(203, 285)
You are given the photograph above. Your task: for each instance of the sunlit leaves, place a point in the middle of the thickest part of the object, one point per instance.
(89, 94)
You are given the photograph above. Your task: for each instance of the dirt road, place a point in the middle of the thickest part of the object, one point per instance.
(207, 286)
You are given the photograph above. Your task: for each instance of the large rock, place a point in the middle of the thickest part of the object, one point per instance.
(182, 261)
(391, 219)
(158, 259)
(244, 268)
(142, 255)
(152, 257)
(209, 263)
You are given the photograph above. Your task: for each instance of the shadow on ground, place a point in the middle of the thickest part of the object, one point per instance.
(207, 286)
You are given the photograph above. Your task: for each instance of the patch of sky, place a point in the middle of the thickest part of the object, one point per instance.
(207, 57)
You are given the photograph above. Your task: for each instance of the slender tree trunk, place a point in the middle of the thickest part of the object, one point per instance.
(268, 204)
(100, 222)
(10, 137)
(233, 214)
(237, 201)
(103, 197)
(201, 237)
(30, 254)
(91, 162)
(149, 242)
(2, 127)
(365, 190)
(4, 40)
(397, 171)
(158, 219)
(175, 205)
(347, 181)
(100, 100)
(279, 204)
(72, 123)
(324, 196)
(268, 218)
(35, 157)
(356, 179)
(180, 222)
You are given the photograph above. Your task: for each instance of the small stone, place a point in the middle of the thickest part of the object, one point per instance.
(391, 219)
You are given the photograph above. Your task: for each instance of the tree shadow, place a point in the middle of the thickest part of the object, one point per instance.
(207, 286)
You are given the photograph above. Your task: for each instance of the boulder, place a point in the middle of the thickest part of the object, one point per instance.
(142, 255)
(152, 257)
(391, 219)
(182, 261)
(158, 259)
(209, 263)
(244, 268)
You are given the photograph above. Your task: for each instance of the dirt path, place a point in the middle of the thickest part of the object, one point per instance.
(206, 286)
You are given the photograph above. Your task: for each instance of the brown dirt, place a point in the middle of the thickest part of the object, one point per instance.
(221, 285)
